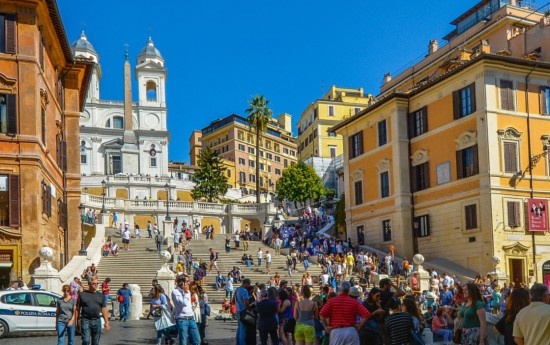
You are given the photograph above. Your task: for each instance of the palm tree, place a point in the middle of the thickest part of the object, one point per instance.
(259, 116)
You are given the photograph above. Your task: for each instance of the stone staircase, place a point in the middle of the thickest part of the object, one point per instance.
(139, 265)
(226, 261)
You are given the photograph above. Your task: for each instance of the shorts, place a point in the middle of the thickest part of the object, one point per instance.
(268, 264)
(304, 332)
(125, 241)
(214, 263)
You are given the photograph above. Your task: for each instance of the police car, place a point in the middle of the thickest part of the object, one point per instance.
(27, 311)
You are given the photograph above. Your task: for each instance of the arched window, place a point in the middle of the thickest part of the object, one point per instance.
(151, 89)
(118, 122)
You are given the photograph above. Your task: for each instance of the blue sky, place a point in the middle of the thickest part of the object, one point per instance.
(219, 54)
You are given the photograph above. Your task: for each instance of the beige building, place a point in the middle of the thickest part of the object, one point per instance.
(446, 159)
(42, 91)
(232, 138)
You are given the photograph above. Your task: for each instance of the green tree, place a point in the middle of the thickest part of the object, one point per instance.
(259, 116)
(299, 183)
(210, 180)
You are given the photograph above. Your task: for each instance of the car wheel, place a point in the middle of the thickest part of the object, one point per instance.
(3, 329)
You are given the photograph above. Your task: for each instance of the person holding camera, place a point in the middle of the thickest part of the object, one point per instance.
(185, 320)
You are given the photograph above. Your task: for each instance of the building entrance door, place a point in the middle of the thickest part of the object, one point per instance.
(517, 271)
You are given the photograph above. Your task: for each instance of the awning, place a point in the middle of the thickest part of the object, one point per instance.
(6, 264)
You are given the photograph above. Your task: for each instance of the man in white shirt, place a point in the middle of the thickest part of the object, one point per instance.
(126, 238)
(268, 261)
(185, 320)
(260, 256)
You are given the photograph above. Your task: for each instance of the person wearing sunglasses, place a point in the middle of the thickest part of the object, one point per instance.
(90, 306)
(65, 316)
(185, 319)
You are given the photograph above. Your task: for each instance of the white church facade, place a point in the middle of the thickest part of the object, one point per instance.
(125, 137)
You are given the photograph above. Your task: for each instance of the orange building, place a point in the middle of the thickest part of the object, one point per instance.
(444, 162)
(42, 91)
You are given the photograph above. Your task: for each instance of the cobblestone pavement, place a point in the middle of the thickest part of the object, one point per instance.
(131, 332)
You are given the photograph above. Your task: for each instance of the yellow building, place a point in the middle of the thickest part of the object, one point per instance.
(195, 146)
(235, 142)
(441, 163)
(314, 139)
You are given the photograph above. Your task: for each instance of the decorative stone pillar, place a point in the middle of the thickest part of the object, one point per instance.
(165, 276)
(498, 276)
(136, 307)
(45, 275)
(104, 218)
(423, 275)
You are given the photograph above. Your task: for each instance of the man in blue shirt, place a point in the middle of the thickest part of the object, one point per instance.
(446, 296)
(242, 302)
(124, 296)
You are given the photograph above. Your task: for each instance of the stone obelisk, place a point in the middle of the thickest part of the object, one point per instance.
(129, 150)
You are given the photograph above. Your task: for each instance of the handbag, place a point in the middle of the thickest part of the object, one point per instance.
(457, 335)
(120, 298)
(166, 319)
(248, 318)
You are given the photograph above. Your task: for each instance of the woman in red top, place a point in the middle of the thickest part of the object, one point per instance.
(440, 326)
(459, 296)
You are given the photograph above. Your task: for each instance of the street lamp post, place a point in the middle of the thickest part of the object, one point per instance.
(167, 186)
(103, 184)
(82, 210)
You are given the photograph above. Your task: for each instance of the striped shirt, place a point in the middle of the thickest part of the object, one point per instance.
(399, 327)
(342, 311)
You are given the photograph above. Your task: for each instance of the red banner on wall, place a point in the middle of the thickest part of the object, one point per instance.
(538, 214)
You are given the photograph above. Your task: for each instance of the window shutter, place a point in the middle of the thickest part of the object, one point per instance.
(511, 100)
(11, 26)
(350, 147)
(11, 105)
(516, 213)
(63, 154)
(426, 168)
(511, 214)
(456, 105)
(543, 104)
(14, 200)
(411, 126)
(360, 143)
(424, 120)
(510, 157)
(475, 160)
(459, 164)
(504, 102)
(49, 201)
(473, 96)
(414, 179)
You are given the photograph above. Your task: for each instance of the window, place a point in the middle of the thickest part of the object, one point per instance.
(251, 150)
(382, 133)
(514, 219)
(276, 148)
(240, 135)
(331, 134)
(467, 162)
(285, 163)
(261, 181)
(268, 144)
(358, 190)
(22, 298)
(118, 122)
(315, 113)
(332, 150)
(545, 100)
(228, 172)
(356, 145)
(242, 161)
(384, 184)
(418, 122)
(61, 151)
(252, 178)
(277, 171)
(251, 163)
(8, 114)
(464, 101)
(269, 156)
(293, 153)
(278, 159)
(315, 133)
(8, 26)
(330, 110)
(45, 300)
(507, 99)
(43, 119)
(242, 147)
(269, 168)
(420, 177)
(386, 230)
(83, 153)
(153, 162)
(262, 167)
(511, 157)
(470, 213)
(242, 177)
(307, 141)
(46, 199)
(285, 150)
(357, 110)
(9, 200)
(422, 225)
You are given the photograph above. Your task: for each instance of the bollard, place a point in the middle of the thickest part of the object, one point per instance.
(136, 307)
